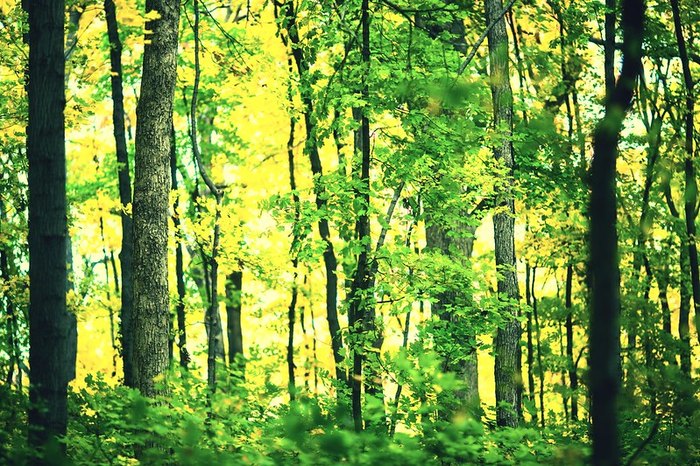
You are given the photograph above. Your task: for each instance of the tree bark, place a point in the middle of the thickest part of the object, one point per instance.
(507, 342)
(604, 374)
(151, 316)
(52, 327)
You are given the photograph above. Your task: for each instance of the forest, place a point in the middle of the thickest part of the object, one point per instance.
(368, 232)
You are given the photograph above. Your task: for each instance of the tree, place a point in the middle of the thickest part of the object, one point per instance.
(507, 342)
(151, 316)
(52, 327)
(691, 185)
(127, 244)
(604, 375)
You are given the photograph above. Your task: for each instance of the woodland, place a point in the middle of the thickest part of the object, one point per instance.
(369, 232)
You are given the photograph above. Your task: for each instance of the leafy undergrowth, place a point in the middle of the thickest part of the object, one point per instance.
(237, 426)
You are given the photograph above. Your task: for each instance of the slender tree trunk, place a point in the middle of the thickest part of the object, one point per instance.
(215, 344)
(124, 182)
(52, 327)
(684, 304)
(184, 355)
(604, 374)
(11, 329)
(329, 258)
(294, 248)
(507, 342)
(530, 345)
(360, 298)
(151, 315)
(571, 363)
(691, 186)
(684, 313)
(538, 335)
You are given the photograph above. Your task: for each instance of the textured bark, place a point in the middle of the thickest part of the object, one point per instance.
(151, 316)
(52, 328)
(507, 342)
(127, 242)
(604, 373)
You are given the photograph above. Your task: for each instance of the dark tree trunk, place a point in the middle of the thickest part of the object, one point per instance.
(329, 258)
(360, 298)
(11, 328)
(684, 313)
(691, 186)
(234, 331)
(507, 342)
(151, 315)
(215, 343)
(530, 345)
(184, 355)
(604, 374)
(538, 344)
(294, 248)
(127, 244)
(52, 328)
(570, 361)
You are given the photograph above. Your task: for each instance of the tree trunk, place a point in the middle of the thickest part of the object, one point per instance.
(570, 361)
(127, 243)
(52, 328)
(691, 186)
(294, 248)
(604, 374)
(329, 258)
(184, 355)
(530, 345)
(538, 344)
(151, 316)
(234, 331)
(464, 363)
(361, 296)
(507, 342)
